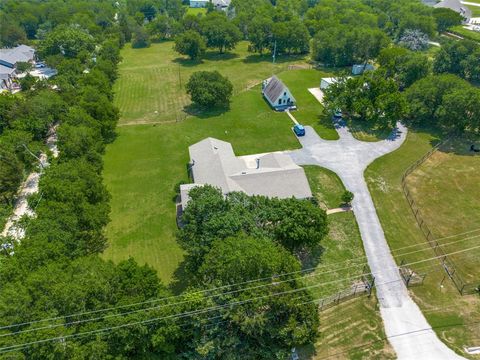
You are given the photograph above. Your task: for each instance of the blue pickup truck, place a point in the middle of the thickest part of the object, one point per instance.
(299, 130)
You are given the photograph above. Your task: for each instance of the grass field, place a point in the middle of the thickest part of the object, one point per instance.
(146, 161)
(143, 214)
(455, 317)
(343, 242)
(352, 330)
(151, 83)
(445, 189)
(467, 34)
(309, 109)
(196, 11)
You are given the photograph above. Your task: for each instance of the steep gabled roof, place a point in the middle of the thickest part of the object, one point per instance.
(274, 88)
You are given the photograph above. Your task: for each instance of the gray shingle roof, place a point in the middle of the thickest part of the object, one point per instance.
(21, 53)
(457, 6)
(271, 174)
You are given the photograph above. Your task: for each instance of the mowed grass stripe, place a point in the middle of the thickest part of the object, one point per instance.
(151, 87)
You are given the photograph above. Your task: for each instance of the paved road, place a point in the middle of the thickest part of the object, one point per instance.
(408, 330)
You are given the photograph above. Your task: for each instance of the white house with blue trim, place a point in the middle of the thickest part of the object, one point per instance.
(277, 94)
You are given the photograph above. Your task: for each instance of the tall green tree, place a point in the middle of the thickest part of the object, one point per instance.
(209, 89)
(190, 43)
(220, 33)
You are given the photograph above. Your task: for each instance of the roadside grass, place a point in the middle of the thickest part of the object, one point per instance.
(342, 249)
(475, 9)
(310, 111)
(146, 161)
(456, 318)
(352, 330)
(445, 189)
(364, 132)
(467, 34)
(151, 83)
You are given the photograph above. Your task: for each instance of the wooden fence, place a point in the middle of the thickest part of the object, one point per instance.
(447, 263)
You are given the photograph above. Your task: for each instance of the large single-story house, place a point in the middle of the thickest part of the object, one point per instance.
(456, 6)
(277, 94)
(213, 162)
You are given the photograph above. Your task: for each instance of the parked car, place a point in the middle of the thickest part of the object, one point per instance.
(39, 65)
(299, 130)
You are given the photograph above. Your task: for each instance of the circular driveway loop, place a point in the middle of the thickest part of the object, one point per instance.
(409, 332)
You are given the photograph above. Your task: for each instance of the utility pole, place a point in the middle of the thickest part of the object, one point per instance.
(274, 51)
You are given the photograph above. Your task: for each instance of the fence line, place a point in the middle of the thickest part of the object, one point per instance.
(447, 263)
(356, 290)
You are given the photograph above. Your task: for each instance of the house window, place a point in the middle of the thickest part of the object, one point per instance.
(288, 100)
(279, 101)
(285, 93)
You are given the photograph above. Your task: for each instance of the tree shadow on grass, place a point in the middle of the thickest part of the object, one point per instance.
(204, 113)
(210, 56)
(462, 145)
(258, 58)
(181, 279)
(186, 62)
(311, 257)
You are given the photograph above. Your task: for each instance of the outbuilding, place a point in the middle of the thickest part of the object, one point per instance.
(277, 94)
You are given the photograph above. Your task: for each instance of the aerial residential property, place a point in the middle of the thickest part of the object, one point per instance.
(239, 179)
(213, 162)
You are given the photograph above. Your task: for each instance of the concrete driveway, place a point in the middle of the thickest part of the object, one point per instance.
(407, 329)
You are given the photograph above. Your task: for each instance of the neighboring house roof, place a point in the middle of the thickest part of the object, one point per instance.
(272, 174)
(6, 71)
(21, 53)
(274, 88)
(221, 3)
(457, 6)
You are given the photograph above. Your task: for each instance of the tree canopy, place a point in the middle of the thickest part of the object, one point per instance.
(209, 88)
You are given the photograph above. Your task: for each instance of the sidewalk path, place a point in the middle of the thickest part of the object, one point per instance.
(408, 331)
(338, 210)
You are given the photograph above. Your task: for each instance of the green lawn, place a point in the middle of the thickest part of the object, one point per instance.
(352, 330)
(196, 11)
(151, 83)
(467, 34)
(343, 242)
(443, 306)
(146, 161)
(445, 188)
(309, 109)
(475, 9)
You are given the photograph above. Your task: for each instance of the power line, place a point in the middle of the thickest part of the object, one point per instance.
(314, 274)
(195, 312)
(147, 321)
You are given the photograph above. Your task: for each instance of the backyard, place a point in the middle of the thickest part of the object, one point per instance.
(151, 86)
(155, 150)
